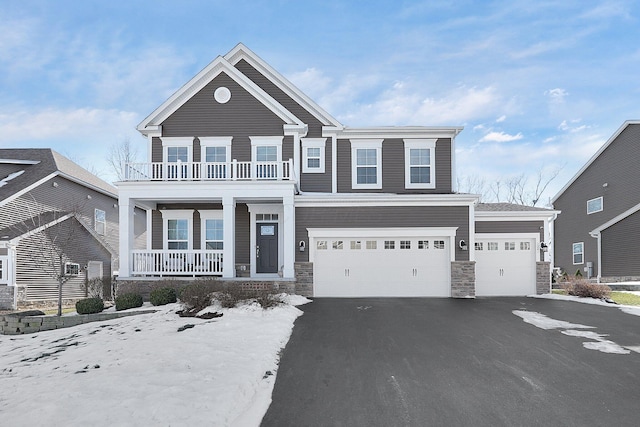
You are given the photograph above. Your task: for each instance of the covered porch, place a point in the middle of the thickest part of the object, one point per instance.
(198, 230)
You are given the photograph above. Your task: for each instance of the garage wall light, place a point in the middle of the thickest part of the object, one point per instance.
(544, 247)
(301, 246)
(463, 245)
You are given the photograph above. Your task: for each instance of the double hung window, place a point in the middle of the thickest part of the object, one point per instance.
(366, 164)
(313, 159)
(578, 253)
(419, 157)
(177, 155)
(215, 153)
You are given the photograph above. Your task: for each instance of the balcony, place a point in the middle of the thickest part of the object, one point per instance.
(176, 263)
(201, 171)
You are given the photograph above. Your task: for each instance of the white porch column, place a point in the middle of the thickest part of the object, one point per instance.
(126, 234)
(289, 237)
(229, 236)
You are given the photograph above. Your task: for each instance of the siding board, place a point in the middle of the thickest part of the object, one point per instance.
(382, 216)
(620, 251)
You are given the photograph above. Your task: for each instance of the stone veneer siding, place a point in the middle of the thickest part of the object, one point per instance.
(463, 279)
(304, 278)
(543, 277)
(6, 297)
(13, 324)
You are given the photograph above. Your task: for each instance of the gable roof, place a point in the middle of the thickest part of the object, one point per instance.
(615, 220)
(219, 65)
(511, 211)
(241, 52)
(42, 164)
(595, 156)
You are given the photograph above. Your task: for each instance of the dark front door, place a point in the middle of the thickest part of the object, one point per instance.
(267, 248)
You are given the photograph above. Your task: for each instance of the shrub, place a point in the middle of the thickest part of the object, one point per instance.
(163, 296)
(89, 305)
(198, 294)
(578, 273)
(583, 288)
(126, 301)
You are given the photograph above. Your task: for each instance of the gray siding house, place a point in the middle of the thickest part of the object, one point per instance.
(249, 179)
(51, 207)
(599, 226)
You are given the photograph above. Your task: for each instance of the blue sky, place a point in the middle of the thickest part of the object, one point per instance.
(537, 85)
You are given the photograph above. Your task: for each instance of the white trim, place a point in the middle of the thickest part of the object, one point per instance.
(593, 200)
(257, 208)
(204, 216)
(573, 253)
(420, 144)
(595, 156)
(616, 219)
(177, 214)
(240, 51)
(366, 144)
(487, 216)
(215, 141)
(313, 143)
(19, 162)
(29, 233)
(27, 189)
(266, 141)
(394, 132)
(383, 199)
(199, 81)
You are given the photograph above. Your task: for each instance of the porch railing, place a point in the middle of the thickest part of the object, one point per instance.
(203, 171)
(175, 262)
(4, 270)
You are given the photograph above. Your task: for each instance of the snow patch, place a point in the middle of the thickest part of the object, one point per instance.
(600, 344)
(543, 322)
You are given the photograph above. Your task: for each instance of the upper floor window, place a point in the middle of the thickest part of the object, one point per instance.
(100, 221)
(266, 149)
(214, 153)
(366, 164)
(177, 150)
(578, 253)
(594, 205)
(313, 150)
(419, 155)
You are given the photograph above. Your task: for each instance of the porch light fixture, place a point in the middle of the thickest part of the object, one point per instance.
(463, 245)
(544, 247)
(301, 245)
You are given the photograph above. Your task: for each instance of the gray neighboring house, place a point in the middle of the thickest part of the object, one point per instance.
(249, 179)
(599, 228)
(39, 191)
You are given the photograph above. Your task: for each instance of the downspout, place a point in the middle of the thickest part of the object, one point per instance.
(597, 235)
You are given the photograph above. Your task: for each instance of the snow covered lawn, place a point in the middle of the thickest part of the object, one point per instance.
(140, 370)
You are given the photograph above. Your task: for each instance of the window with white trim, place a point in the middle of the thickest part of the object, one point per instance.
(215, 153)
(266, 153)
(372, 244)
(356, 244)
(321, 245)
(525, 246)
(389, 244)
(405, 244)
(177, 153)
(337, 244)
(492, 246)
(212, 230)
(313, 158)
(178, 229)
(509, 246)
(419, 160)
(578, 253)
(100, 221)
(366, 164)
(594, 205)
(479, 246)
(438, 244)
(423, 244)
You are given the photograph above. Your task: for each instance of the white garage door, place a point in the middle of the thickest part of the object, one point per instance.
(374, 266)
(505, 266)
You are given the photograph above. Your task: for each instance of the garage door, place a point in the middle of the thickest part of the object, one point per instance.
(375, 266)
(505, 266)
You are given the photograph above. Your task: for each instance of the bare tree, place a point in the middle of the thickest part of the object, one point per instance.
(120, 154)
(51, 236)
(518, 189)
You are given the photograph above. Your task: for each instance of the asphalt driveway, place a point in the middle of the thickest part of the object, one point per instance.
(449, 362)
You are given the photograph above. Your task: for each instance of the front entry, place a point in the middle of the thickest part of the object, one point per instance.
(267, 247)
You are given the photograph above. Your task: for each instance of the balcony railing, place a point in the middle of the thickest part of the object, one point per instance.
(176, 262)
(202, 171)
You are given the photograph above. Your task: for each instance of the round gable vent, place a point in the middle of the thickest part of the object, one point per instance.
(222, 95)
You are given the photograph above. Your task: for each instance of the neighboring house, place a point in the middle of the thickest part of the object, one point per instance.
(247, 177)
(50, 206)
(598, 230)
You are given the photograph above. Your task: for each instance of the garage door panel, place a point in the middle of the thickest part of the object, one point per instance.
(505, 266)
(372, 267)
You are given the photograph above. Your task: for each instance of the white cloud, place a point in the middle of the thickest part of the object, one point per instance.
(556, 95)
(501, 119)
(570, 126)
(501, 137)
